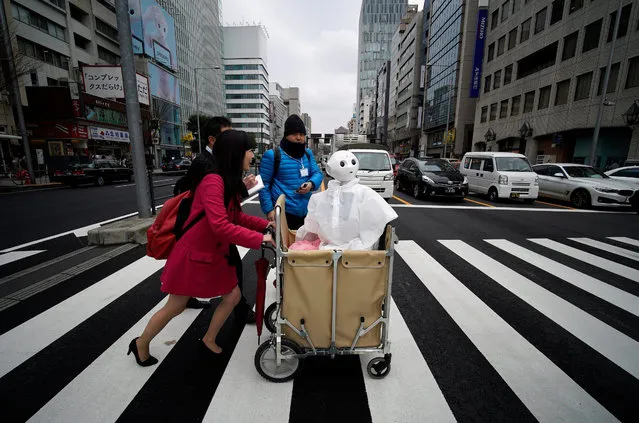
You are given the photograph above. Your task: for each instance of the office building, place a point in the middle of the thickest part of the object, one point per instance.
(277, 112)
(449, 104)
(378, 21)
(247, 80)
(292, 102)
(543, 80)
(382, 97)
(307, 122)
(406, 97)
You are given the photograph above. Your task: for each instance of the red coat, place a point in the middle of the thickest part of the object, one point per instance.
(198, 264)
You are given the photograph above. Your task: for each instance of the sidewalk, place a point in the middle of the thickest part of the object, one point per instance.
(6, 185)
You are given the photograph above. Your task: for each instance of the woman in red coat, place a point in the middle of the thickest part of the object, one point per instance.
(199, 264)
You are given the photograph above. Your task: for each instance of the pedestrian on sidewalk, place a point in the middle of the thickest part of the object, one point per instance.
(295, 174)
(211, 131)
(200, 264)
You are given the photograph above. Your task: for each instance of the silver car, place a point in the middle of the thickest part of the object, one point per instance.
(584, 186)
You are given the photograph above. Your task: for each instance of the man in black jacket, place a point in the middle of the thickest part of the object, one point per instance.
(212, 129)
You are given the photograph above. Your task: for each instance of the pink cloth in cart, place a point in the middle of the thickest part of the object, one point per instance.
(306, 245)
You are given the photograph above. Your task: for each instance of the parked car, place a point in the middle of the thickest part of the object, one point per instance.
(431, 178)
(500, 175)
(582, 185)
(179, 165)
(629, 174)
(99, 172)
(375, 170)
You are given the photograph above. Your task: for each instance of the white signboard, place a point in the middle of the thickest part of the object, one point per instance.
(106, 82)
(40, 156)
(106, 134)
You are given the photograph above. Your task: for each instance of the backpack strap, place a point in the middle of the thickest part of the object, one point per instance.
(277, 154)
(180, 233)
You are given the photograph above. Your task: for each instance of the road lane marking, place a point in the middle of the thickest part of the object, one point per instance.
(591, 259)
(548, 392)
(625, 240)
(124, 186)
(633, 255)
(609, 293)
(606, 340)
(17, 255)
(401, 200)
(478, 202)
(532, 209)
(555, 205)
(19, 344)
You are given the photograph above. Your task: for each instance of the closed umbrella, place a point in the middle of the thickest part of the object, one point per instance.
(261, 266)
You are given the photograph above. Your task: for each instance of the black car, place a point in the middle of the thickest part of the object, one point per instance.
(179, 165)
(431, 178)
(99, 172)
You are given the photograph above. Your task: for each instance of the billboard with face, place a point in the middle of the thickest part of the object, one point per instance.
(159, 33)
(164, 85)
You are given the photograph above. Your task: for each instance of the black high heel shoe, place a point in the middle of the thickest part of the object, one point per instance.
(133, 348)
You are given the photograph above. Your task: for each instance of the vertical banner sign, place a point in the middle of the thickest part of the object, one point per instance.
(479, 52)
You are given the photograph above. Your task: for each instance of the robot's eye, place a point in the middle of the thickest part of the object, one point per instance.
(342, 163)
(354, 162)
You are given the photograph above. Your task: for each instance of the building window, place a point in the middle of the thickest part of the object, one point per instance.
(525, 30)
(35, 20)
(508, 74)
(514, 110)
(505, 10)
(557, 12)
(495, 19)
(544, 97)
(44, 54)
(540, 20)
(497, 80)
(632, 80)
(503, 109)
(612, 81)
(591, 39)
(570, 46)
(493, 111)
(537, 61)
(60, 3)
(107, 56)
(512, 39)
(582, 91)
(514, 2)
(575, 5)
(484, 114)
(623, 22)
(487, 84)
(501, 46)
(529, 101)
(106, 29)
(491, 52)
(561, 95)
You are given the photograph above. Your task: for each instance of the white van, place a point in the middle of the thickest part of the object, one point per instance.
(500, 175)
(375, 170)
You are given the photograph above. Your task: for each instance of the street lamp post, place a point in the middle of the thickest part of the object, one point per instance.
(197, 103)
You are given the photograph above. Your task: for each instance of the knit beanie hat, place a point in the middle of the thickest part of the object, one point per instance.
(294, 125)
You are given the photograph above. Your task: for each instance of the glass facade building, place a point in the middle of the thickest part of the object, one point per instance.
(378, 21)
(443, 55)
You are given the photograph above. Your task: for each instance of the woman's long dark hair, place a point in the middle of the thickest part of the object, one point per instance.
(228, 157)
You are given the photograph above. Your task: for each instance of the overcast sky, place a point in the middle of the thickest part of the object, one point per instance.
(312, 45)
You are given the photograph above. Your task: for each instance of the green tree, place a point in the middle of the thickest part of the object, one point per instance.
(191, 125)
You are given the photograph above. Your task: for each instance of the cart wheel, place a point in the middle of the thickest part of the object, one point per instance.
(267, 367)
(378, 368)
(270, 315)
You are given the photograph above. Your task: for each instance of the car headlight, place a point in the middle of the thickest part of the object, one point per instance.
(465, 181)
(427, 179)
(388, 177)
(606, 190)
(536, 180)
(503, 180)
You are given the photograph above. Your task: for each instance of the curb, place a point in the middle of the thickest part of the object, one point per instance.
(130, 230)
(22, 188)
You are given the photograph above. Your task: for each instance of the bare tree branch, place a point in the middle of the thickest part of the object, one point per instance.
(24, 65)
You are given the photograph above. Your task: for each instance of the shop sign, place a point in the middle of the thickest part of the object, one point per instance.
(106, 134)
(61, 130)
(107, 82)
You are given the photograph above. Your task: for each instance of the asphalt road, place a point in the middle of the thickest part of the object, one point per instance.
(26, 216)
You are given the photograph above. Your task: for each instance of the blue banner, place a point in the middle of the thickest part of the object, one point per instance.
(479, 52)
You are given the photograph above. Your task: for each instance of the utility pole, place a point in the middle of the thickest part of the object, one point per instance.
(595, 135)
(133, 108)
(14, 89)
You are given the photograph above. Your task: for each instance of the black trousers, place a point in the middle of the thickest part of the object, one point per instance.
(294, 222)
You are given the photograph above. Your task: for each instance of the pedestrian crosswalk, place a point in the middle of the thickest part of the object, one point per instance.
(530, 329)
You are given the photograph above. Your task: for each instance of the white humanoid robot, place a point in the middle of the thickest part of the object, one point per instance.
(347, 216)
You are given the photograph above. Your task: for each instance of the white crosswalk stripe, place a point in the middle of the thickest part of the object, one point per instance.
(107, 387)
(12, 256)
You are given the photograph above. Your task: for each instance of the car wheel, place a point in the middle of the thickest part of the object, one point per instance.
(580, 199)
(100, 181)
(398, 185)
(493, 195)
(416, 192)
